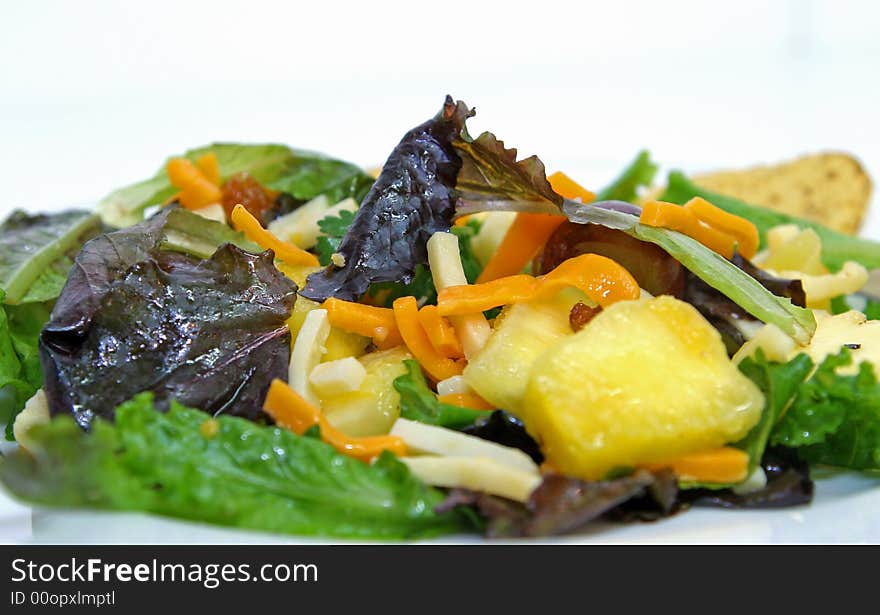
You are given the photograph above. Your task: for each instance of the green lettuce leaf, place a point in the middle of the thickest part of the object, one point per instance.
(779, 382)
(35, 252)
(190, 233)
(20, 371)
(35, 259)
(713, 269)
(830, 418)
(14, 387)
(835, 419)
(640, 173)
(227, 471)
(837, 248)
(419, 403)
(49, 283)
(333, 229)
(302, 174)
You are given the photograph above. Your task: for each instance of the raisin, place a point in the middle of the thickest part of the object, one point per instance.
(581, 314)
(244, 189)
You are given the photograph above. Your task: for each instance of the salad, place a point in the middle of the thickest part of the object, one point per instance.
(269, 338)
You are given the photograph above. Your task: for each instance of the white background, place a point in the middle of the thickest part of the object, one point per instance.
(94, 95)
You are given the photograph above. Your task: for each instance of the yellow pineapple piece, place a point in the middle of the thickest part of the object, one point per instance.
(373, 408)
(339, 343)
(523, 332)
(644, 381)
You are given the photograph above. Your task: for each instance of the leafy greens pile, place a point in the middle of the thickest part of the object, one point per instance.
(300, 174)
(36, 253)
(163, 339)
(134, 317)
(828, 417)
(228, 470)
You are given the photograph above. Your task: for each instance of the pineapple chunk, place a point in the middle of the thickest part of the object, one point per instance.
(791, 248)
(421, 438)
(339, 376)
(286, 226)
(298, 273)
(373, 408)
(301, 225)
(339, 343)
(301, 309)
(500, 372)
(476, 473)
(645, 381)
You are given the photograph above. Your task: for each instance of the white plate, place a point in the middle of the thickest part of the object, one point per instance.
(846, 509)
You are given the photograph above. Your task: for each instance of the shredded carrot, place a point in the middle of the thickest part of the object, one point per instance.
(678, 218)
(466, 400)
(196, 190)
(243, 221)
(525, 237)
(529, 232)
(182, 172)
(744, 231)
(210, 168)
(291, 411)
(406, 312)
(440, 332)
(475, 298)
(602, 279)
(566, 187)
(721, 465)
(371, 321)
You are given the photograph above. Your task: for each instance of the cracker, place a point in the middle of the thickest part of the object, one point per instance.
(830, 188)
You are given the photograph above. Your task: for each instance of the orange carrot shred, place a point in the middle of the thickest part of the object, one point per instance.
(744, 231)
(243, 221)
(371, 321)
(529, 232)
(722, 465)
(566, 187)
(289, 410)
(525, 237)
(210, 168)
(602, 279)
(683, 220)
(406, 313)
(466, 400)
(196, 190)
(440, 332)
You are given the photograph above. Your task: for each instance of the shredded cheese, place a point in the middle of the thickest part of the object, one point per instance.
(444, 259)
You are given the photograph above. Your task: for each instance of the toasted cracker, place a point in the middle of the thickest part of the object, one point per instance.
(830, 188)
